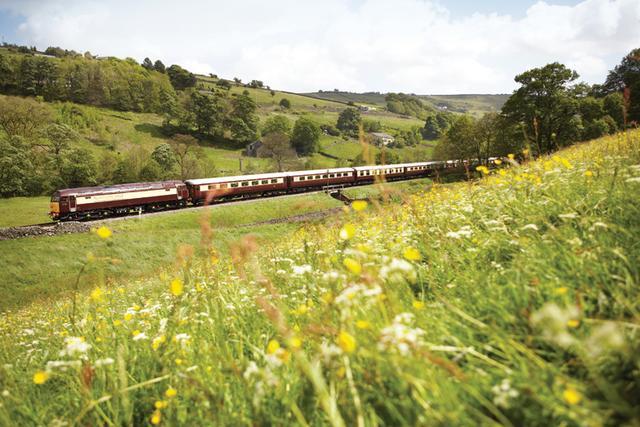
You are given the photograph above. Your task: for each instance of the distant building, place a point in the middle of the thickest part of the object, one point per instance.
(366, 108)
(381, 138)
(252, 149)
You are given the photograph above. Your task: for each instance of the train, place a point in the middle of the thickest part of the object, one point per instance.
(85, 203)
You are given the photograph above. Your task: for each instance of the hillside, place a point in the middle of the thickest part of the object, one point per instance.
(472, 104)
(511, 300)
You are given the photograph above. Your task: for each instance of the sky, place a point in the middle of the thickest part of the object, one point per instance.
(411, 46)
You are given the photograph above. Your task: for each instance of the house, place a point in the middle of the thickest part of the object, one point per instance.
(381, 138)
(252, 149)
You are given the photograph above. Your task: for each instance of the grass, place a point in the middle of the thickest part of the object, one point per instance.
(23, 211)
(140, 246)
(513, 300)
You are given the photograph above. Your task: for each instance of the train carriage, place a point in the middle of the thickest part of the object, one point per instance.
(221, 188)
(320, 178)
(418, 169)
(87, 202)
(369, 173)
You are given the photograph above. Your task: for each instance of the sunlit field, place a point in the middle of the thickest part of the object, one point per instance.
(509, 300)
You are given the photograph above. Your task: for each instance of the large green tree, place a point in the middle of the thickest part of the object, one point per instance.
(349, 121)
(625, 78)
(243, 120)
(305, 137)
(545, 108)
(276, 123)
(181, 78)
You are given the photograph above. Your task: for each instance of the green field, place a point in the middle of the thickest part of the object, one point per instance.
(512, 300)
(24, 211)
(143, 245)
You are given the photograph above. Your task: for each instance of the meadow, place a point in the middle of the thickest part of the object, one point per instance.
(510, 300)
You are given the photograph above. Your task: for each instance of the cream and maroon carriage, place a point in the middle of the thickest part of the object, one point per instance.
(208, 190)
(121, 199)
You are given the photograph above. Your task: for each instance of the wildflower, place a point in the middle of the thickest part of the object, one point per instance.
(552, 321)
(346, 342)
(398, 271)
(128, 316)
(104, 232)
(156, 417)
(359, 205)
(352, 265)
(75, 346)
(497, 162)
(139, 336)
(412, 254)
(104, 362)
(295, 343)
(363, 324)
(503, 393)
(400, 336)
(483, 169)
(158, 341)
(525, 152)
(40, 377)
(273, 346)
(571, 396)
(511, 156)
(588, 173)
(176, 287)
(97, 295)
(171, 392)
(299, 270)
(347, 232)
(562, 290)
(418, 305)
(573, 323)
(161, 404)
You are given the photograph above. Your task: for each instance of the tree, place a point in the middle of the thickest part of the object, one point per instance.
(371, 126)
(613, 105)
(349, 122)
(22, 117)
(625, 77)
(207, 112)
(543, 105)
(285, 103)
(163, 156)
(256, 84)
(159, 67)
(185, 150)
(431, 130)
(305, 136)
(276, 124)
(276, 146)
(458, 141)
(180, 78)
(16, 169)
(147, 64)
(78, 169)
(242, 118)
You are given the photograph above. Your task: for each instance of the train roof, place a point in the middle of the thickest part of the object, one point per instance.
(319, 171)
(119, 188)
(219, 179)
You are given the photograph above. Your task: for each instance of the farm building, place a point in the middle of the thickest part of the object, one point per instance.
(382, 139)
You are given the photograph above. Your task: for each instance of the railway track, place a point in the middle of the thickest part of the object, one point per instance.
(67, 227)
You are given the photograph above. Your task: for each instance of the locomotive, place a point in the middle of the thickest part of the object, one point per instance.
(122, 199)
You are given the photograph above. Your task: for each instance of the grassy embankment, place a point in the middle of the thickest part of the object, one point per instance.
(510, 301)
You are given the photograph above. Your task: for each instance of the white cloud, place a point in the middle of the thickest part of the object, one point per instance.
(402, 45)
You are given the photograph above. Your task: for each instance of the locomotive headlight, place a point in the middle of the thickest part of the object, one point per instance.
(54, 207)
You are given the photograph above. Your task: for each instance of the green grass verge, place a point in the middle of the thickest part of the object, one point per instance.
(24, 211)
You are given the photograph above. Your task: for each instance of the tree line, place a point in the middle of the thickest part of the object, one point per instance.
(110, 82)
(548, 111)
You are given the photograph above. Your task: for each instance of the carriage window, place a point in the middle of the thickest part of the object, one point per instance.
(324, 176)
(301, 178)
(245, 184)
(332, 175)
(273, 181)
(87, 197)
(255, 182)
(233, 185)
(222, 186)
(265, 181)
(212, 187)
